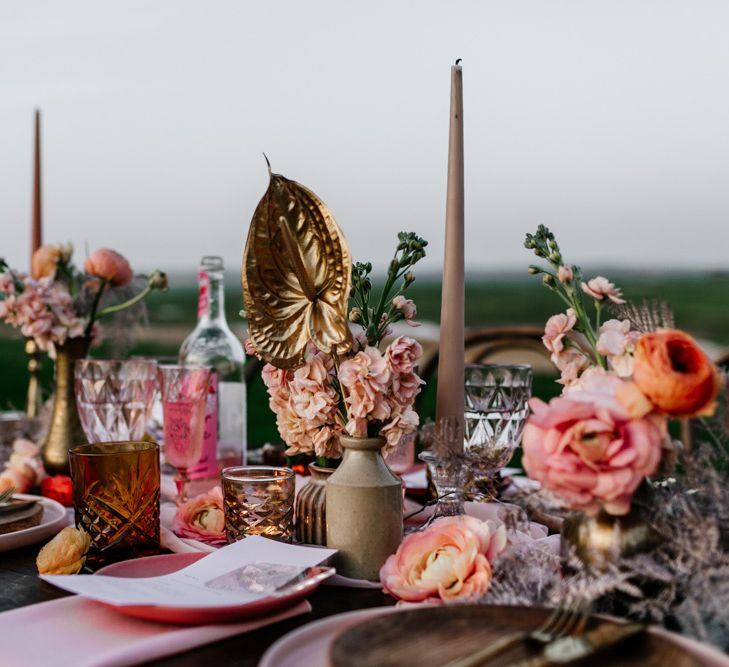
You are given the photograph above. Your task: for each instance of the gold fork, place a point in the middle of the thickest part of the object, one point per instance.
(6, 495)
(569, 618)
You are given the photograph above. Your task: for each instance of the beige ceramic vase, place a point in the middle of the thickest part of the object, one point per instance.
(310, 510)
(363, 509)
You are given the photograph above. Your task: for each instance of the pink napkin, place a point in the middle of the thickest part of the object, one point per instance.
(82, 633)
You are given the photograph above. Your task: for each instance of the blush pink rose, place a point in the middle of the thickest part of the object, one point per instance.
(588, 448)
(110, 266)
(202, 518)
(451, 560)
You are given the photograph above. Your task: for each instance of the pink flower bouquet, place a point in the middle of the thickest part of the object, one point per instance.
(367, 392)
(596, 443)
(56, 302)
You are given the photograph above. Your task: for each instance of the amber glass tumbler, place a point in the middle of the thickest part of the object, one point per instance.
(116, 498)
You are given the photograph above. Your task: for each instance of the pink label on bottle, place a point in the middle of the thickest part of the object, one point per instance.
(207, 466)
(203, 282)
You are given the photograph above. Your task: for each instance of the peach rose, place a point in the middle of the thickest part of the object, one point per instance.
(451, 560)
(202, 518)
(45, 260)
(65, 553)
(110, 266)
(675, 374)
(588, 448)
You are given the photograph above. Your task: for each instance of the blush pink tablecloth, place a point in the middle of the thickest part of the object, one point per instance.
(74, 632)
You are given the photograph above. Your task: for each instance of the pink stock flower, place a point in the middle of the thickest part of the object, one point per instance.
(449, 561)
(404, 421)
(109, 265)
(587, 448)
(407, 307)
(402, 354)
(557, 327)
(599, 288)
(617, 343)
(565, 274)
(202, 518)
(571, 362)
(405, 388)
(250, 349)
(364, 376)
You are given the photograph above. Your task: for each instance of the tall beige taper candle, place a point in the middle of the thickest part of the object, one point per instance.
(37, 220)
(450, 401)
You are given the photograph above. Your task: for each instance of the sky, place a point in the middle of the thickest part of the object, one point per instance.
(607, 120)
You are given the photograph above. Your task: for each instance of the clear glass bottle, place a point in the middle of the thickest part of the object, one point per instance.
(212, 343)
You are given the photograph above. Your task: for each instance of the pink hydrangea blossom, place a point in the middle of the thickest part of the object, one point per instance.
(588, 448)
(599, 288)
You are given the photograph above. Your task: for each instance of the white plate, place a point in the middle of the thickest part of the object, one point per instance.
(52, 521)
(309, 644)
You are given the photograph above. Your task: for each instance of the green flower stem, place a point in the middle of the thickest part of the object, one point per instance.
(127, 304)
(95, 306)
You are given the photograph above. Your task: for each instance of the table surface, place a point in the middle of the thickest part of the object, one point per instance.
(20, 586)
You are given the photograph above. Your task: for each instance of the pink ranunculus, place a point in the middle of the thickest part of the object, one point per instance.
(557, 327)
(599, 288)
(588, 448)
(202, 518)
(402, 354)
(109, 265)
(364, 376)
(565, 274)
(449, 561)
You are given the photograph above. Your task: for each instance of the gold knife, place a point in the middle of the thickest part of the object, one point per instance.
(570, 649)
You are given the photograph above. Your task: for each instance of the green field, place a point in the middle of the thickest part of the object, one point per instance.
(698, 301)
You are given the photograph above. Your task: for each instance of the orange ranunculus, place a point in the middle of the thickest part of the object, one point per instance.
(45, 260)
(675, 374)
(109, 265)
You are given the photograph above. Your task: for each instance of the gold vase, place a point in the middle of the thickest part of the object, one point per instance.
(603, 539)
(363, 509)
(311, 525)
(65, 429)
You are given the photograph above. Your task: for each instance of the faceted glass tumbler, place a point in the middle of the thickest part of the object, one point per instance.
(497, 405)
(114, 397)
(258, 500)
(116, 498)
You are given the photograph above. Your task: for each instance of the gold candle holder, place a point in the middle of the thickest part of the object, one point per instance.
(258, 500)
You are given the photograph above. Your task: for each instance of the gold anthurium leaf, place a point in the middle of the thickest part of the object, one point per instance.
(296, 276)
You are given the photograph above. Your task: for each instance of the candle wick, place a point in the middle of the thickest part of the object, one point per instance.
(268, 164)
(458, 61)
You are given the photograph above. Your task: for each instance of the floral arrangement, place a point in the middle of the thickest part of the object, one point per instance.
(595, 444)
(56, 302)
(202, 518)
(450, 560)
(366, 393)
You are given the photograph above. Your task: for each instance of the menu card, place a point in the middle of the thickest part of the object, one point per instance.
(251, 569)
